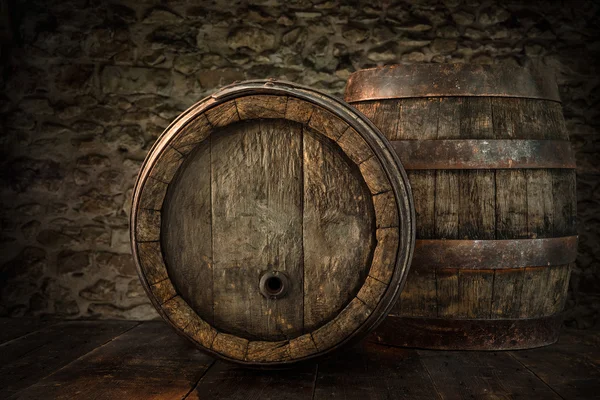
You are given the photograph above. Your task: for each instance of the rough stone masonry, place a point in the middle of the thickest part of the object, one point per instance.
(87, 86)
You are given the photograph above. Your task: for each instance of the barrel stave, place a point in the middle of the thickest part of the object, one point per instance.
(188, 242)
(420, 296)
(511, 204)
(328, 281)
(540, 203)
(484, 293)
(423, 188)
(488, 203)
(447, 201)
(466, 118)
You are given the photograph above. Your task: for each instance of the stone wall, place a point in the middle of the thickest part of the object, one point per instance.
(88, 86)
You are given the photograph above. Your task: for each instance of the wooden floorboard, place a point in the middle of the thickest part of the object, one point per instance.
(476, 375)
(148, 362)
(28, 359)
(585, 342)
(227, 381)
(13, 328)
(570, 367)
(371, 371)
(128, 360)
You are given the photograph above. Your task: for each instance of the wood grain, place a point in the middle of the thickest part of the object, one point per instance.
(13, 328)
(354, 146)
(374, 176)
(477, 212)
(475, 293)
(423, 188)
(302, 346)
(448, 301)
(153, 194)
(534, 283)
(29, 359)
(448, 123)
(152, 262)
(166, 165)
(482, 375)
(556, 127)
(540, 203)
(163, 291)
(223, 114)
(370, 293)
(261, 106)
(476, 118)
(557, 287)
(193, 133)
(186, 232)
(258, 229)
(326, 123)
(509, 119)
(147, 227)
(370, 371)
(385, 255)
(353, 316)
(446, 204)
(418, 119)
(231, 346)
(528, 119)
(200, 331)
(178, 311)
(384, 114)
(511, 204)
(506, 297)
(327, 335)
(386, 210)
(419, 297)
(338, 231)
(226, 381)
(570, 367)
(260, 351)
(298, 110)
(565, 202)
(148, 362)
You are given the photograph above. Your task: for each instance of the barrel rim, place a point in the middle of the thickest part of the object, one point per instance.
(373, 137)
(451, 80)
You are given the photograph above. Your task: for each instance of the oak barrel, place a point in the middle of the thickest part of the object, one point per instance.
(272, 224)
(493, 177)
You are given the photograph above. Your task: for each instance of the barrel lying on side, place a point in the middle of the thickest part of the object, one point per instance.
(272, 224)
(493, 177)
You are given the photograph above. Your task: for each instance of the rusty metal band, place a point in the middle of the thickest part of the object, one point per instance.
(440, 80)
(470, 334)
(484, 154)
(494, 254)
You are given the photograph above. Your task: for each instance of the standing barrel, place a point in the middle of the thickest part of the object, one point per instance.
(493, 177)
(272, 224)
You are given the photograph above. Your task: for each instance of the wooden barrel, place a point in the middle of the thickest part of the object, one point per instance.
(493, 177)
(272, 224)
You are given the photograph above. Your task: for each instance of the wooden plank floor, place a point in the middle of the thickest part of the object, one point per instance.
(132, 360)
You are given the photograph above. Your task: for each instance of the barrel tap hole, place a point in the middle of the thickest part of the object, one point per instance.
(274, 285)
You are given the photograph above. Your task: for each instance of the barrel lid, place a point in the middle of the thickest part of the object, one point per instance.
(439, 80)
(272, 224)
